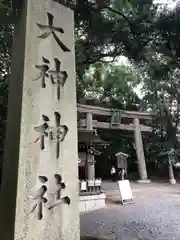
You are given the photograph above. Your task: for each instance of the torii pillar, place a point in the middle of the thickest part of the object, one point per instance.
(90, 164)
(140, 153)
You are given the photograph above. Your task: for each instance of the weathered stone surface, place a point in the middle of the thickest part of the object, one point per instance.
(140, 151)
(92, 202)
(28, 101)
(90, 158)
(144, 181)
(172, 181)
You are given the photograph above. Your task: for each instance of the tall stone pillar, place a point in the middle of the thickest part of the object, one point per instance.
(90, 157)
(89, 121)
(140, 153)
(171, 173)
(91, 167)
(39, 194)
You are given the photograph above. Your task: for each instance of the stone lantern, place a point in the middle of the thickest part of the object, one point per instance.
(122, 164)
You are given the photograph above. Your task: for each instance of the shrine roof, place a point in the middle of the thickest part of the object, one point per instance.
(94, 143)
(85, 135)
(95, 151)
(121, 153)
(90, 137)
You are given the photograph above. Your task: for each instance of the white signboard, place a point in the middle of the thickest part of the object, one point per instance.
(97, 183)
(91, 183)
(83, 186)
(125, 191)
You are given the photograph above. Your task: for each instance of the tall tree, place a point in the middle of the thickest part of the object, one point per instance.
(113, 84)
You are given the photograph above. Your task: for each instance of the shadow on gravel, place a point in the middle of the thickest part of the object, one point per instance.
(113, 201)
(94, 238)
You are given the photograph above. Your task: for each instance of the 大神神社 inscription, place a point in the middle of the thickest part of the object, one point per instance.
(56, 76)
(43, 84)
(39, 198)
(43, 71)
(43, 131)
(59, 186)
(50, 29)
(56, 133)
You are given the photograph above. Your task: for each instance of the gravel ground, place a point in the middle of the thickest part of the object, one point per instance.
(154, 215)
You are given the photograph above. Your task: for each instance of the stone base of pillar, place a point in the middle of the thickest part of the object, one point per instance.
(147, 181)
(92, 202)
(172, 181)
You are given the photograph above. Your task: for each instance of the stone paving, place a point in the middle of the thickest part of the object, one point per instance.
(154, 215)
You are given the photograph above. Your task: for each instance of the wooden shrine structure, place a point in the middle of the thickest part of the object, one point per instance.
(89, 146)
(137, 123)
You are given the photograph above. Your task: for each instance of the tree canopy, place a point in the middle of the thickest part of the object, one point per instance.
(148, 36)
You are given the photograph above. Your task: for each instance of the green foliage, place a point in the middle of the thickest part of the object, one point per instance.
(104, 31)
(6, 38)
(113, 84)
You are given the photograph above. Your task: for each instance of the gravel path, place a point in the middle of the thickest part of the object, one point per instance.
(154, 215)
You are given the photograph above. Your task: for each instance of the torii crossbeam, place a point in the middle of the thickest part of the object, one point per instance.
(135, 126)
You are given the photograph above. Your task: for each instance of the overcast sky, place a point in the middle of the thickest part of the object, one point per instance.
(169, 3)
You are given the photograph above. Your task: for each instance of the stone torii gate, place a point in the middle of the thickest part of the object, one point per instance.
(135, 126)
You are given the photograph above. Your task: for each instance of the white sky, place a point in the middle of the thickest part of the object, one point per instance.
(170, 3)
